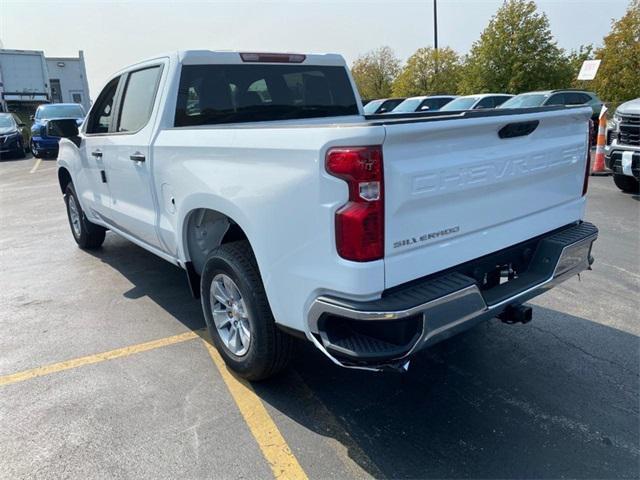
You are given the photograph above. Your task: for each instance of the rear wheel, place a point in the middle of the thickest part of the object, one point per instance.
(86, 234)
(238, 315)
(626, 183)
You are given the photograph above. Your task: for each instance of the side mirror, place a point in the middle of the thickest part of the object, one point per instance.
(64, 128)
(424, 107)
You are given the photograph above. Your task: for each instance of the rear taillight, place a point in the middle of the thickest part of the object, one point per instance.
(587, 171)
(360, 222)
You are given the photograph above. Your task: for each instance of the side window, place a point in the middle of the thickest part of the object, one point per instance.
(486, 102)
(576, 98)
(101, 114)
(557, 99)
(137, 102)
(497, 101)
(429, 104)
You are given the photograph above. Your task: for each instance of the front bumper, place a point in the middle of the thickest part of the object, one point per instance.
(8, 143)
(45, 146)
(384, 333)
(614, 160)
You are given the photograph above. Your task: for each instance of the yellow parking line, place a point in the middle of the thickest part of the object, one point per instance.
(35, 167)
(282, 461)
(97, 358)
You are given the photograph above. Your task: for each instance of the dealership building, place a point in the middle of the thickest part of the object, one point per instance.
(28, 78)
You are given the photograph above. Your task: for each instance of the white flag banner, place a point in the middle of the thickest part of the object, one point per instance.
(589, 69)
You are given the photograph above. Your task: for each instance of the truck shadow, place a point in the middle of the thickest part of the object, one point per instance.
(554, 398)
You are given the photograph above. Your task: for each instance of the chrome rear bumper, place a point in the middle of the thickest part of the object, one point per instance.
(447, 304)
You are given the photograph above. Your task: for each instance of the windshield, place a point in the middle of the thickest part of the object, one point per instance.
(6, 121)
(409, 105)
(462, 103)
(48, 112)
(525, 101)
(371, 107)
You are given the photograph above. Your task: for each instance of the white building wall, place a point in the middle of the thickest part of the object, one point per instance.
(72, 76)
(23, 75)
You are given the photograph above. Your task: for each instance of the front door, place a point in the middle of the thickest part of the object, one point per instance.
(96, 151)
(133, 204)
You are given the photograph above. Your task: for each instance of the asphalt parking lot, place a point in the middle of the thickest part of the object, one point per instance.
(558, 397)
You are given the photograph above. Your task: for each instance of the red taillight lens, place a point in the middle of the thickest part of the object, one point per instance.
(360, 222)
(587, 171)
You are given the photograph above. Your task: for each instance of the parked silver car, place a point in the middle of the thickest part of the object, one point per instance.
(474, 102)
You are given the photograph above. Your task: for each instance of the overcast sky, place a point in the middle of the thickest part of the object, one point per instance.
(114, 34)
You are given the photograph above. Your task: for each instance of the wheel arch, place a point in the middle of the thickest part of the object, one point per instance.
(204, 229)
(64, 178)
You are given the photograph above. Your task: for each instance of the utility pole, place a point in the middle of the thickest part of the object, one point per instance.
(435, 30)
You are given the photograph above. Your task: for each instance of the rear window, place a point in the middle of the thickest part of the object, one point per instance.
(371, 107)
(216, 94)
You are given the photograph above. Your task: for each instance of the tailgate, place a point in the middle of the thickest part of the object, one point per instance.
(455, 190)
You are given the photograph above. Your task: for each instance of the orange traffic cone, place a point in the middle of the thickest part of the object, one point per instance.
(598, 166)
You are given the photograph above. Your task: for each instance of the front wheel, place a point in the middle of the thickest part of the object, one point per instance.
(86, 234)
(626, 183)
(238, 315)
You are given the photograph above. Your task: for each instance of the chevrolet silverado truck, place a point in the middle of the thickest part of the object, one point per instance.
(622, 152)
(294, 214)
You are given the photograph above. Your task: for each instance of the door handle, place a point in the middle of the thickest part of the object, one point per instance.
(137, 157)
(97, 153)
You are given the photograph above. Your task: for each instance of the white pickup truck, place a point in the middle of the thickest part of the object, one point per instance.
(294, 214)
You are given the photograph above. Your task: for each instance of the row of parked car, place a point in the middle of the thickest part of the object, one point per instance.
(451, 103)
(17, 138)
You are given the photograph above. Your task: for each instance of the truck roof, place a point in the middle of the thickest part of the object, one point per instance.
(204, 57)
(198, 57)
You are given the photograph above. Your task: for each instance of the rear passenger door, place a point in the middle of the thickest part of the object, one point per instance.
(133, 202)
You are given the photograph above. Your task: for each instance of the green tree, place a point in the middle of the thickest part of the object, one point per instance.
(429, 72)
(374, 73)
(516, 53)
(618, 78)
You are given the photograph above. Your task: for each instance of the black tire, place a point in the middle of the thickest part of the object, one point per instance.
(87, 235)
(34, 150)
(626, 183)
(269, 349)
